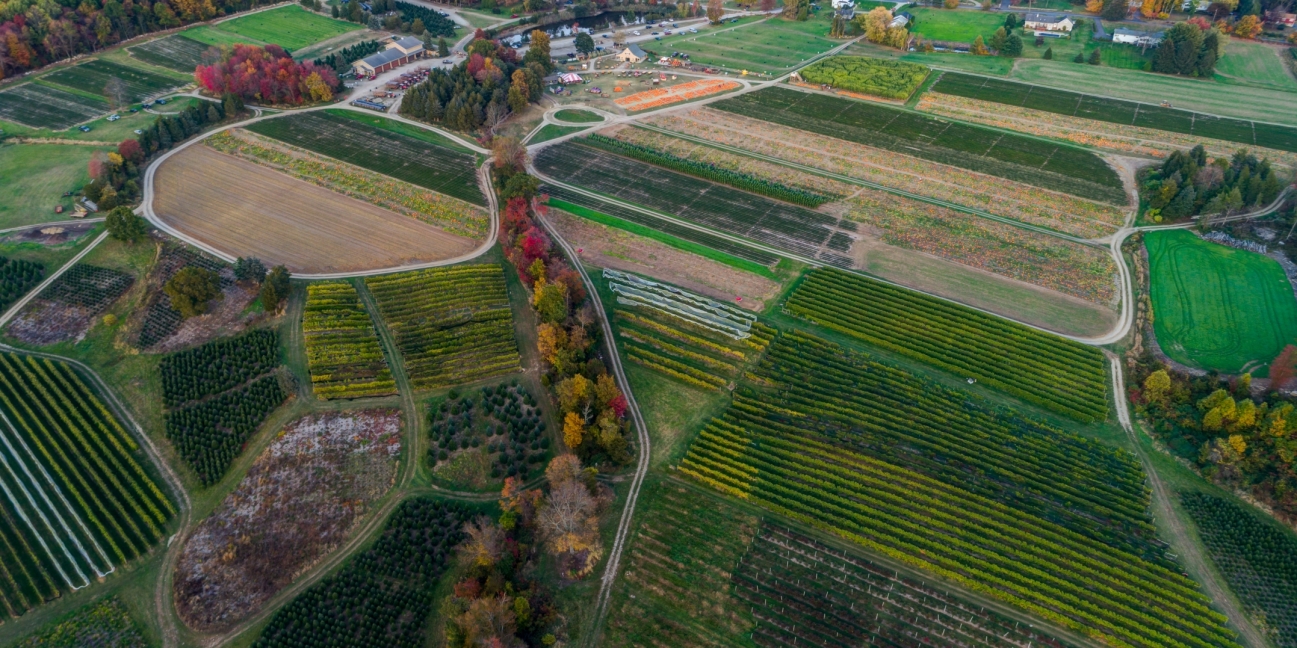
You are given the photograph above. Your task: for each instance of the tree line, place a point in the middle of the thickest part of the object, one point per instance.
(1187, 184)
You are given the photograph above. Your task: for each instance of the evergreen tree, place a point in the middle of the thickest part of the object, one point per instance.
(1049, 54)
(1079, 58)
(1095, 57)
(1012, 46)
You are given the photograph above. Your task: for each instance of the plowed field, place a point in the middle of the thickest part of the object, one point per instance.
(248, 210)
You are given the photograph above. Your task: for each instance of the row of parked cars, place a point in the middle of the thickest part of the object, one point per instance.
(114, 117)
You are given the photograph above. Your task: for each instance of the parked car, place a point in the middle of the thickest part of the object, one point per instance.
(83, 129)
(635, 33)
(139, 132)
(446, 62)
(160, 101)
(114, 117)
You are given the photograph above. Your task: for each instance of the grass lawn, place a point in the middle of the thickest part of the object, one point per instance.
(483, 19)
(1255, 64)
(552, 131)
(210, 35)
(290, 27)
(1217, 307)
(577, 116)
(1244, 102)
(35, 177)
(773, 45)
(955, 25)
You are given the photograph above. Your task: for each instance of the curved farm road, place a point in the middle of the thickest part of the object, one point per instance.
(1188, 547)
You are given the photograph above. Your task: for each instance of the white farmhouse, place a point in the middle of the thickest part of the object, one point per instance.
(1048, 23)
(1136, 37)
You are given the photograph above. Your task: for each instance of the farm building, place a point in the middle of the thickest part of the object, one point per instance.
(398, 53)
(845, 8)
(902, 19)
(1048, 23)
(632, 54)
(1136, 37)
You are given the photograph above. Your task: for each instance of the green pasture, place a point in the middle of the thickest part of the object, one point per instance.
(290, 27)
(772, 45)
(954, 25)
(553, 131)
(209, 35)
(988, 65)
(36, 175)
(1217, 307)
(1244, 102)
(577, 116)
(1255, 64)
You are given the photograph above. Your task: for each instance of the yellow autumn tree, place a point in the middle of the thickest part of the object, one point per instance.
(1157, 385)
(574, 393)
(1094, 6)
(1237, 443)
(550, 340)
(573, 430)
(317, 88)
(875, 24)
(1247, 27)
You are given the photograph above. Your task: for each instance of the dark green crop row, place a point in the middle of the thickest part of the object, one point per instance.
(217, 366)
(706, 171)
(209, 435)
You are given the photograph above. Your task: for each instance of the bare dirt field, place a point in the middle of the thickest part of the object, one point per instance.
(248, 210)
(607, 247)
(302, 498)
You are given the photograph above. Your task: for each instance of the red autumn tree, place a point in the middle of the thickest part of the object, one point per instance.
(1283, 367)
(130, 150)
(268, 75)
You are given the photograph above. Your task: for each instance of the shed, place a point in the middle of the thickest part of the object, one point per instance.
(632, 54)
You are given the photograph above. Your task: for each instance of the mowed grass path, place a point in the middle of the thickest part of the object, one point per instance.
(1216, 307)
(770, 45)
(290, 27)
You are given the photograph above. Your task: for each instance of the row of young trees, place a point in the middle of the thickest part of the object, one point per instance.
(1187, 184)
(34, 33)
(484, 90)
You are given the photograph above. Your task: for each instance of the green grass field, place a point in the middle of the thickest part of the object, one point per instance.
(209, 35)
(1255, 64)
(93, 76)
(400, 128)
(290, 27)
(553, 131)
(958, 26)
(35, 177)
(1216, 307)
(577, 116)
(989, 65)
(1244, 102)
(773, 45)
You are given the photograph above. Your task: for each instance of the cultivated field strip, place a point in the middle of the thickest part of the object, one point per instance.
(69, 306)
(680, 231)
(933, 524)
(342, 348)
(93, 76)
(803, 592)
(210, 433)
(1117, 111)
(175, 52)
(416, 161)
(776, 224)
(1015, 157)
(42, 106)
(1041, 368)
(217, 366)
(452, 325)
(76, 503)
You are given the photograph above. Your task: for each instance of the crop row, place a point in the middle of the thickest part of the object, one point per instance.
(938, 525)
(1041, 368)
(976, 148)
(176, 52)
(93, 75)
(88, 286)
(736, 179)
(383, 597)
(45, 106)
(1117, 111)
(882, 412)
(76, 502)
(210, 434)
(217, 366)
(342, 349)
(416, 161)
(773, 223)
(452, 325)
(1257, 558)
(17, 278)
(804, 592)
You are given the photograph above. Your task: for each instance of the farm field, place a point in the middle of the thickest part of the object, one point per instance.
(613, 246)
(301, 498)
(1255, 64)
(812, 446)
(78, 503)
(774, 591)
(553, 131)
(290, 27)
(342, 349)
(889, 79)
(104, 623)
(1217, 307)
(42, 106)
(500, 429)
(209, 434)
(68, 307)
(1049, 371)
(36, 175)
(658, 97)
(452, 325)
(417, 161)
(777, 224)
(1030, 161)
(955, 26)
(990, 65)
(177, 52)
(380, 596)
(771, 46)
(1116, 111)
(219, 199)
(212, 35)
(1257, 558)
(1237, 101)
(400, 128)
(16, 278)
(93, 76)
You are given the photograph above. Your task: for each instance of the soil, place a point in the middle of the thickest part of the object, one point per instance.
(46, 322)
(302, 498)
(49, 234)
(607, 247)
(246, 210)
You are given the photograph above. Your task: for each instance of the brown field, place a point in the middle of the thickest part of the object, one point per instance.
(245, 210)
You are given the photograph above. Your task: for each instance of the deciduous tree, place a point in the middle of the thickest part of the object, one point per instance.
(124, 225)
(191, 289)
